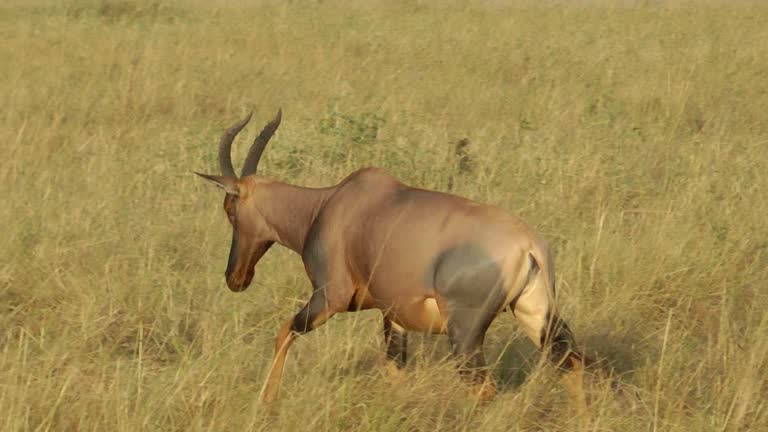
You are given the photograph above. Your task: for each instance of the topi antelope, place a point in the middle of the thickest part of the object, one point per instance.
(430, 261)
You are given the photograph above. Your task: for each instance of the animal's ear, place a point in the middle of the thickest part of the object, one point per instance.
(229, 184)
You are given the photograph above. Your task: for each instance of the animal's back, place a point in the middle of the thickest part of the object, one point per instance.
(409, 246)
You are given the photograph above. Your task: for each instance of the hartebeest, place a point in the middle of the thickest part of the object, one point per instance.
(430, 261)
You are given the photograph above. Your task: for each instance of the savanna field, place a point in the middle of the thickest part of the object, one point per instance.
(632, 135)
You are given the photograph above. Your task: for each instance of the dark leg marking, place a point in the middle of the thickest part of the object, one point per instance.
(304, 321)
(397, 343)
(316, 264)
(315, 257)
(467, 347)
(558, 340)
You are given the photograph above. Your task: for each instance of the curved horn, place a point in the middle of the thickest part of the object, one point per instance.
(225, 145)
(254, 154)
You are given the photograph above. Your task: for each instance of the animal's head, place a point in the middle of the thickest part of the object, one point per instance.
(251, 234)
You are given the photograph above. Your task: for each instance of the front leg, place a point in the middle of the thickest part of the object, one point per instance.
(332, 292)
(396, 339)
(312, 315)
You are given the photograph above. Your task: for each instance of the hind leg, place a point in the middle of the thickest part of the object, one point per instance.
(471, 291)
(466, 336)
(557, 340)
(538, 316)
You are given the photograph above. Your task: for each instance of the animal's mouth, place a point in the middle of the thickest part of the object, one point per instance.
(240, 285)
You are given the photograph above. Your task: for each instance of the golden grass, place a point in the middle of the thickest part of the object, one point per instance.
(632, 134)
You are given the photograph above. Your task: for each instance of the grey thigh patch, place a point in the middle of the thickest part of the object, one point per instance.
(471, 282)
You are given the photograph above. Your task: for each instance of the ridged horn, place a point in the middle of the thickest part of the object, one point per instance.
(225, 146)
(254, 154)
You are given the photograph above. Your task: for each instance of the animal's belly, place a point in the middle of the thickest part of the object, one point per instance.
(420, 314)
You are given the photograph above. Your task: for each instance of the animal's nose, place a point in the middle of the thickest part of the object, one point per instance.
(236, 285)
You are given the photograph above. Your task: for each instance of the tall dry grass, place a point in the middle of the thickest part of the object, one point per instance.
(632, 135)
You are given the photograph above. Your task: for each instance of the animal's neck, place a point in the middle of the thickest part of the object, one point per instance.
(292, 210)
